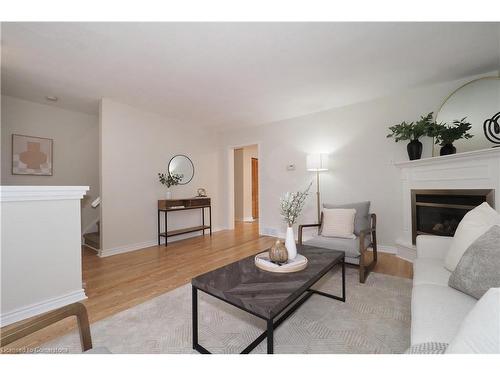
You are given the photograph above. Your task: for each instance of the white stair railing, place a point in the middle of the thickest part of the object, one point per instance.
(96, 202)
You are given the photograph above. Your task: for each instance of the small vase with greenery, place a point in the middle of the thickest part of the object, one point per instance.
(169, 179)
(412, 132)
(445, 135)
(291, 205)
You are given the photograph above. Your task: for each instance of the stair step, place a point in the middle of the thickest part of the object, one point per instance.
(92, 240)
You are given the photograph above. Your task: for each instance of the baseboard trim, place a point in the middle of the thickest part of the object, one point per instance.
(142, 245)
(126, 248)
(41, 307)
(406, 251)
(91, 247)
(387, 249)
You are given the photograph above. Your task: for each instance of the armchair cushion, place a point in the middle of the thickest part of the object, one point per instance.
(362, 217)
(338, 222)
(349, 245)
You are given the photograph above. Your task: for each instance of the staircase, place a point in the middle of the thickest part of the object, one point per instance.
(93, 239)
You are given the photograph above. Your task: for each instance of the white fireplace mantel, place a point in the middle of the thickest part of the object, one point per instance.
(468, 170)
(470, 155)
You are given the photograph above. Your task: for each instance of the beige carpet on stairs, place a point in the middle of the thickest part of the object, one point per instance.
(374, 319)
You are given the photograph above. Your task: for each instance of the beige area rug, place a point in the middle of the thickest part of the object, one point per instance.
(374, 319)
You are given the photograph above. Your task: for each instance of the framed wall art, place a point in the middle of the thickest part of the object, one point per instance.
(32, 155)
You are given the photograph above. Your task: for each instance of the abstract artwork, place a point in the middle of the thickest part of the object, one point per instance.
(31, 155)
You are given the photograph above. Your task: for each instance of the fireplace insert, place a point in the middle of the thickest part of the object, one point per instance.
(438, 212)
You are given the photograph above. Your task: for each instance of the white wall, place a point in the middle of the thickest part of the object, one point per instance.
(361, 157)
(76, 141)
(41, 253)
(135, 146)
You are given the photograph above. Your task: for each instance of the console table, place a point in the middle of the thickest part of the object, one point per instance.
(171, 205)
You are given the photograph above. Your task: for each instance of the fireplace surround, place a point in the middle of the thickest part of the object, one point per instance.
(439, 211)
(474, 170)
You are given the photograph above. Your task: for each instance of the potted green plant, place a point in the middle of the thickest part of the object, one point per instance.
(412, 132)
(445, 135)
(169, 179)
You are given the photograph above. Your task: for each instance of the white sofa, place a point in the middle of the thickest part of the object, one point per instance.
(437, 310)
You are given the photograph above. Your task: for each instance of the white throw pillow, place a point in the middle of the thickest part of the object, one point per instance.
(338, 222)
(474, 224)
(480, 330)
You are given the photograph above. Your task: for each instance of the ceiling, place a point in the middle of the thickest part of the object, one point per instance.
(223, 75)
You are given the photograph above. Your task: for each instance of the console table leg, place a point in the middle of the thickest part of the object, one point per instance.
(270, 334)
(203, 219)
(210, 214)
(166, 229)
(159, 228)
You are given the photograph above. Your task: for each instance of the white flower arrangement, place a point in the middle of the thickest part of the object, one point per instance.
(291, 205)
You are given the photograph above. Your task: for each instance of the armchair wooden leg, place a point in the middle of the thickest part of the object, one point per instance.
(362, 274)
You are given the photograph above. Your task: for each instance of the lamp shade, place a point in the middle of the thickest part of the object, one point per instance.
(317, 162)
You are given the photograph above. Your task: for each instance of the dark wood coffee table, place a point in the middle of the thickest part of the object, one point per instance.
(265, 294)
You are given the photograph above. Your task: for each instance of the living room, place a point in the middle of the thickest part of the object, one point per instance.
(250, 187)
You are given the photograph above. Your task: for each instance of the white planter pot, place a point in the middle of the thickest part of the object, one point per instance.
(168, 194)
(290, 243)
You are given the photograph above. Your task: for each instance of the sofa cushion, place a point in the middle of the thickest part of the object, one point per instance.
(433, 246)
(349, 245)
(480, 330)
(474, 224)
(430, 271)
(437, 312)
(362, 218)
(479, 268)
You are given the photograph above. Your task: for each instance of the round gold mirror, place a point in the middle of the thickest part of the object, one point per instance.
(479, 102)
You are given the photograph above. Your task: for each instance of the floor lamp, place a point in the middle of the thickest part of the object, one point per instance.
(317, 163)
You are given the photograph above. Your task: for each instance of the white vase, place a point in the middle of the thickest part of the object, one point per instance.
(291, 248)
(168, 194)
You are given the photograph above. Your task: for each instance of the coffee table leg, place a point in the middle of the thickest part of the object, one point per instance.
(270, 334)
(195, 317)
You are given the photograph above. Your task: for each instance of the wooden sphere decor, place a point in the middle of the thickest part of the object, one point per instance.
(278, 253)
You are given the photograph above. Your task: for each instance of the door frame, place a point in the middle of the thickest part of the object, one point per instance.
(230, 180)
(256, 202)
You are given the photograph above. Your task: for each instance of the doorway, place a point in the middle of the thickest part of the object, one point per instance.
(246, 184)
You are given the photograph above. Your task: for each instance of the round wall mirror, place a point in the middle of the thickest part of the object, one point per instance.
(479, 101)
(183, 166)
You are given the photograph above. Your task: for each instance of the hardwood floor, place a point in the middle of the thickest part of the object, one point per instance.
(116, 283)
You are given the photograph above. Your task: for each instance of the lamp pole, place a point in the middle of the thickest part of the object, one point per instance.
(317, 196)
(317, 163)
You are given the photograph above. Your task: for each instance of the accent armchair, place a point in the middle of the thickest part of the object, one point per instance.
(356, 249)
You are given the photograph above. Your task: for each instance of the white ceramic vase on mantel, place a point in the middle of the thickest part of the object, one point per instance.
(290, 245)
(168, 194)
